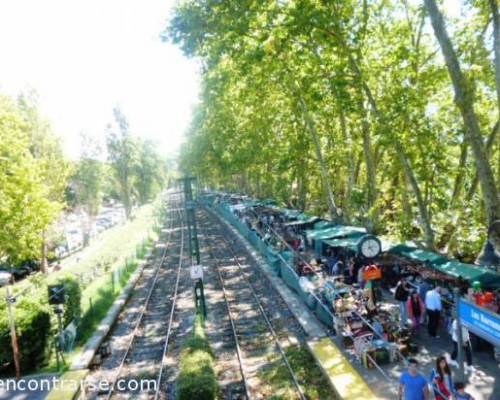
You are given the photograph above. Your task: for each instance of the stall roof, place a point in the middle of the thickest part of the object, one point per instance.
(419, 254)
(289, 213)
(302, 222)
(323, 224)
(453, 268)
(350, 242)
(335, 232)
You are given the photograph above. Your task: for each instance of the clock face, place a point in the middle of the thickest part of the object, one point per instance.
(370, 248)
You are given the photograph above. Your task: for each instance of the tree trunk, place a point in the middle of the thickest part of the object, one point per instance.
(464, 101)
(496, 45)
(350, 163)
(424, 216)
(371, 182)
(311, 126)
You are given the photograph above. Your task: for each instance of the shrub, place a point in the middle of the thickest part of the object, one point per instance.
(33, 332)
(73, 297)
(197, 380)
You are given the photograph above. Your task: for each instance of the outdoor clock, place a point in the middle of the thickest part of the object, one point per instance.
(369, 246)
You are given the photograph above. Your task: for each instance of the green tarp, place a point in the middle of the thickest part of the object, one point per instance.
(335, 232)
(323, 224)
(302, 221)
(470, 272)
(350, 242)
(418, 254)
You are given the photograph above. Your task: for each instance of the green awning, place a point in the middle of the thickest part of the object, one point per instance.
(418, 254)
(323, 224)
(269, 202)
(301, 222)
(350, 242)
(456, 269)
(289, 213)
(469, 272)
(335, 232)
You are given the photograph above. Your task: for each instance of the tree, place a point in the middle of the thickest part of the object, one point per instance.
(88, 179)
(149, 171)
(122, 156)
(25, 207)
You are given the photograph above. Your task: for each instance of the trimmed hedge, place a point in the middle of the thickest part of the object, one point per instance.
(36, 323)
(197, 379)
(33, 333)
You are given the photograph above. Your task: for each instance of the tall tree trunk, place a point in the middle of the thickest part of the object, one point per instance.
(464, 101)
(496, 45)
(311, 126)
(371, 182)
(489, 145)
(410, 176)
(350, 163)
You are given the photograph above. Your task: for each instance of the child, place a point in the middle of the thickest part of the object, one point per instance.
(460, 393)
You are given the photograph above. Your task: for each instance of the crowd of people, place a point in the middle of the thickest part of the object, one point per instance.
(420, 303)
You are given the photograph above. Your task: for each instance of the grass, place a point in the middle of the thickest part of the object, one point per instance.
(197, 379)
(309, 375)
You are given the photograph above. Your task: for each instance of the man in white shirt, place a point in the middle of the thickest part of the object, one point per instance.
(433, 307)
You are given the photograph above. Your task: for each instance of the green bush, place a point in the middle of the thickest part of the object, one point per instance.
(197, 380)
(33, 332)
(73, 297)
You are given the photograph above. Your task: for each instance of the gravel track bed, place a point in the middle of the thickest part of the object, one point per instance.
(256, 342)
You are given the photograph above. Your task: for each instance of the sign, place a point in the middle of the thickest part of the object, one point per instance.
(196, 272)
(480, 321)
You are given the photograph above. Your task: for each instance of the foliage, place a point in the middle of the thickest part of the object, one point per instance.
(26, 206)
(33, 334)
(88, 178)
(197, 379)
(355, 86)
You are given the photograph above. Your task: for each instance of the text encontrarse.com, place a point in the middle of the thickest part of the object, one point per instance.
(54, 383)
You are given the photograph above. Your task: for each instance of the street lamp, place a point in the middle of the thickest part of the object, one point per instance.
(6, 279)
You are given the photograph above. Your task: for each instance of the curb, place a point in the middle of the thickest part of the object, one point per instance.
(87, 354)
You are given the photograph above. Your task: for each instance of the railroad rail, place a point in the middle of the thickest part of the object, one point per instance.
(253, 332)
(142, 354)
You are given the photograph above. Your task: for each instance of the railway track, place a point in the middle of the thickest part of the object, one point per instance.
(141, 339)
(252, 318)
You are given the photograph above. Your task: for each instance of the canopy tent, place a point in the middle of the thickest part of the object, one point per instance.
(469, 272)
(298, 222)
(419, 255)
(323, 224)
(289, 213)
(349, 242)
(335, 232)
(269, 202)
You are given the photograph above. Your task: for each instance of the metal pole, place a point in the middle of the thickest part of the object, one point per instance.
(461, 373)
(13, 335)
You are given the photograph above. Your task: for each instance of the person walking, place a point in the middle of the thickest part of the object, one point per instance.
(441, 379)
(412, 384)
(401, 295)
(465, 345)
(416, 309)
(433, 308)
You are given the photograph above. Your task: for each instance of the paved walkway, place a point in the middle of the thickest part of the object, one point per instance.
(34, 387)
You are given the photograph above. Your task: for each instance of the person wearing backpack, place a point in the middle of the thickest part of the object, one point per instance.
(401, 296)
